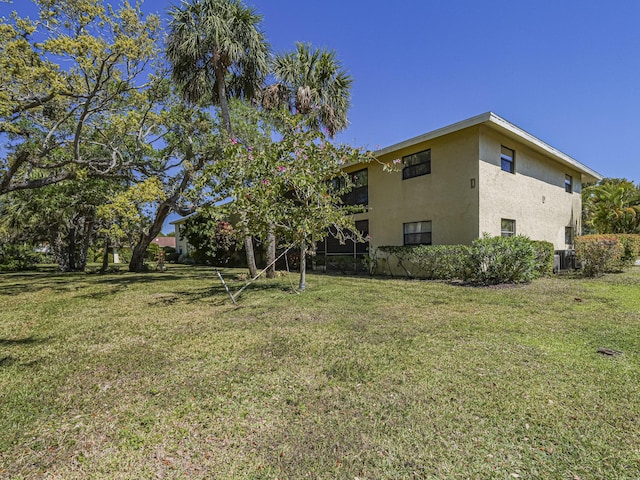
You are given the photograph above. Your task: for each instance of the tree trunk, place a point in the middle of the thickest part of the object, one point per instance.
(140, 249)
(87, 234)
(61, 253)
(136, 264)
(303, 266)
(220, 73)
(105, 255)
(271, 252)
(251, 257)
(71, 250)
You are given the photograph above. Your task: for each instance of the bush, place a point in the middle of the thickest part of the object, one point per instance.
(630, 244)
(495, 260)
(488, 261)
(433, 262)
(440, 262)
(15, 257)
(172, 257)
(599, 254)
(153, 250)
(125, 255)
(544, 257)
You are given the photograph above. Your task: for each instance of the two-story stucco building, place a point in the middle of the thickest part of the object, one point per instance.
(481, 175)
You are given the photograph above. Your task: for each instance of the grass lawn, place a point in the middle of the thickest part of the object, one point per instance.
(159, 375)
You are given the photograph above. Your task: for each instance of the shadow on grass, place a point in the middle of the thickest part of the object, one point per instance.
(8, 360)
(7, 342)
(215, 292)
(13, 283)
(208, 287)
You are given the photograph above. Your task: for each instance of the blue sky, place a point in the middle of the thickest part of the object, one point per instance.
(566, 71)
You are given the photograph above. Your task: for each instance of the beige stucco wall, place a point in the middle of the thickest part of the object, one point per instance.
(534, 196)
(444, 197)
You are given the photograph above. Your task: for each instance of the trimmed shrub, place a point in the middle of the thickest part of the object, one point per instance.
(630, 245)
(495, 260)
(432, 262)
(544, 257)
(489, 261)
(599, 254)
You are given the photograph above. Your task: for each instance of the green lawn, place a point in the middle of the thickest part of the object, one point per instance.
(159, 375)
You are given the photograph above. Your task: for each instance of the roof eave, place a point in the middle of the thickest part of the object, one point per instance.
(496, 122)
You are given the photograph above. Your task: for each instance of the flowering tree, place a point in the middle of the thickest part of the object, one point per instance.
(287, 183)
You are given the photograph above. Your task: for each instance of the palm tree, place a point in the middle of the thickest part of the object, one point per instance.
(217, 51)
(313, 83)
(613, 206)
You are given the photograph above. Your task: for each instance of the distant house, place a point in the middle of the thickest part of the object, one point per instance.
(165, 241)
(453, 184)
(181, 244)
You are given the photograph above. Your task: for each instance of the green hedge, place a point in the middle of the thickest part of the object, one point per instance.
(600, 254)
(433, 262)
(545, 252)
(489, 260)
(495, 260)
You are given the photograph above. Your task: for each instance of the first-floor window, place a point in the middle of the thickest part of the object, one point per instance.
(417, 233)
(568, 235)
(507, 227)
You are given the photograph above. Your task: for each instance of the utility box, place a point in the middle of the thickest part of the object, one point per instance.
(564, 260)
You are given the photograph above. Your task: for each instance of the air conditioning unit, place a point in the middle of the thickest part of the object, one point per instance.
(564, 260)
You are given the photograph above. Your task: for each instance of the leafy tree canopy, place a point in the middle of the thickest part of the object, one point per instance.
(611, 206)
(70, 88)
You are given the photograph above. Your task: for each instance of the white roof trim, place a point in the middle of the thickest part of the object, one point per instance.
(498, 123)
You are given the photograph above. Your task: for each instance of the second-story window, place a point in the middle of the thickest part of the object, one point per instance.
(416, 164)
(359, 194)
(508, 160)
(568, 183)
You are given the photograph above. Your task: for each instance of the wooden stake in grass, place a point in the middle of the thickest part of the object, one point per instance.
(225, 287)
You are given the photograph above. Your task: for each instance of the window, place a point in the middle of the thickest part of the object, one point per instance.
(507, 160)
(417, 233)
(568, 235)
(568, 183)
(507, 227)
(359, 194)
(416, 164)
(334, 245)
(363, 227)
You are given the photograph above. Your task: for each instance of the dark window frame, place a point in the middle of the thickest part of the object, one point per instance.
(412, 168)
(568, 235)
(504, 232)
(568, 183)
(360, 192)
(507, 162)
(418, 238)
